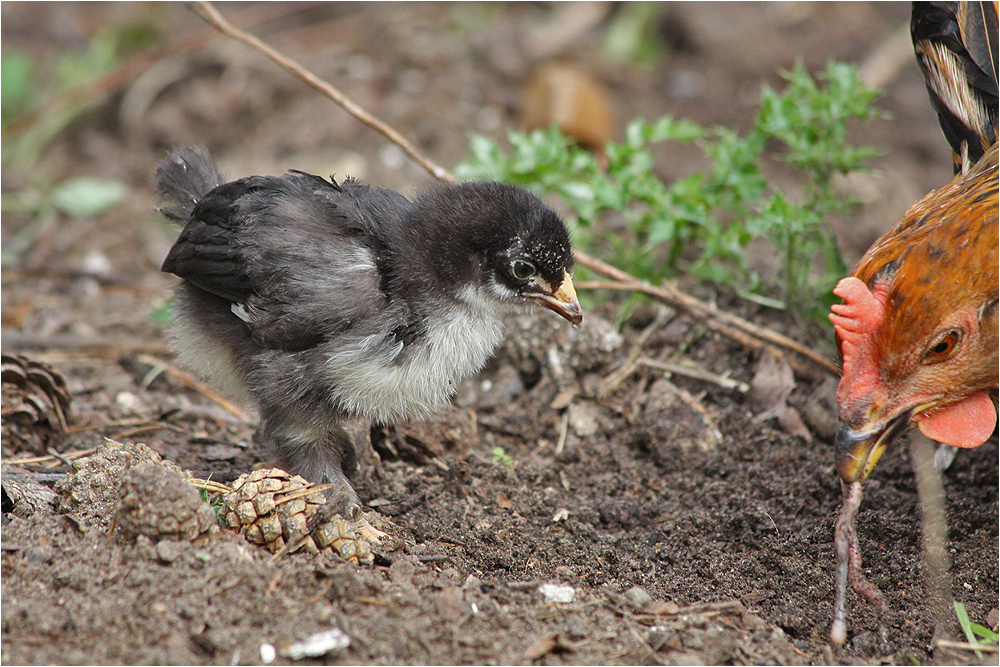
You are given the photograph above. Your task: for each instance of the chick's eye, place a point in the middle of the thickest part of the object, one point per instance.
(943, 347)
(522, 269)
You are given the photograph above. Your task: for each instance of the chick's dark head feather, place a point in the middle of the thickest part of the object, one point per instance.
(497, 222)
(502, 239)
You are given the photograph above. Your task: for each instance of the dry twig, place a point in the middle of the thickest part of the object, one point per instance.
(209, 485)
(966, 646)
(206, 11)
(696, 373)
(747, 333)
(49, 459)
(192, 382)
(618, 377)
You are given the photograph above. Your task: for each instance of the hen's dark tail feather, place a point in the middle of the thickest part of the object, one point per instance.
(184, 179)
(956, 47)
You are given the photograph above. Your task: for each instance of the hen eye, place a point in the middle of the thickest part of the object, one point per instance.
(522, 270)
(943, 348)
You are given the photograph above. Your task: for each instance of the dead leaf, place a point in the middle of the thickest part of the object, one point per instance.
(664, 608)
(563, 399)
(772, 382)
(790, 421)
(572, 98)
(540, 647)
(503, 502)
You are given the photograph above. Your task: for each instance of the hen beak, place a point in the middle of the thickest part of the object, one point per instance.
(857, 452)
(562, 301)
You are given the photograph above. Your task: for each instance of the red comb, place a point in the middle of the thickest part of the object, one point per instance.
(855, 321)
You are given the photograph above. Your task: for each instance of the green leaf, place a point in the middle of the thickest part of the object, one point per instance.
(86, 197)
(163, 314)
(632, 32)
(17, 81)
(987, 635)
(963, 621)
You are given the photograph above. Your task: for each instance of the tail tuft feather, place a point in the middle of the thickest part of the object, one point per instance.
(184, 179)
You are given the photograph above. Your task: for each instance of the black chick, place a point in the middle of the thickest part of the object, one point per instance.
(321, 302)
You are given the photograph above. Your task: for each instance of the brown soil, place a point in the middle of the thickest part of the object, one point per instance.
(681, 547)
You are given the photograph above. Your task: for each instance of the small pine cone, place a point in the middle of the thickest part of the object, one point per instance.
(339, 535)
(92, 488)
(159, 503)
(35, 404)
(275, 509)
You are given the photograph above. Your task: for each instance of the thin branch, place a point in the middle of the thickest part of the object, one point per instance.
(740, 330)
(192, 382)
(725, 323)
(206, 11)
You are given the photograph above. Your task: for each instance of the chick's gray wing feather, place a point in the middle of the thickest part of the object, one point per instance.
(300, 258)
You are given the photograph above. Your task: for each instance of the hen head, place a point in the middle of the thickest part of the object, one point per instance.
(917, 331)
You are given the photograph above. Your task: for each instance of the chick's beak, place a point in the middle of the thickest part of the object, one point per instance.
(562, 301)
(857, 451)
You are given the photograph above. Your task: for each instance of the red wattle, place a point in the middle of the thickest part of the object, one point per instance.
(968, 423)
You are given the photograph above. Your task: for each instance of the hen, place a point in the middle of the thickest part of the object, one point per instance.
(956, 48)
(917, 331)
(918, 327)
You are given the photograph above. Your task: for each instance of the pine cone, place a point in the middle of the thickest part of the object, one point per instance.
(92, 488)
(157, 502)
(282, 511)
(35, 403)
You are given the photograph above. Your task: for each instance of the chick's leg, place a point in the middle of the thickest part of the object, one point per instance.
(322, 455)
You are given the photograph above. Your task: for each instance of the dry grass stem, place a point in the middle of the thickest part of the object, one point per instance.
(192, 382)
(696, 373)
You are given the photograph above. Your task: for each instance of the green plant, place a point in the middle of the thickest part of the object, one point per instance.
(77, 198)
(44, 93)
(974, 630)
(502, 457)
(702, 222)
(163, 314)
(214, 501)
